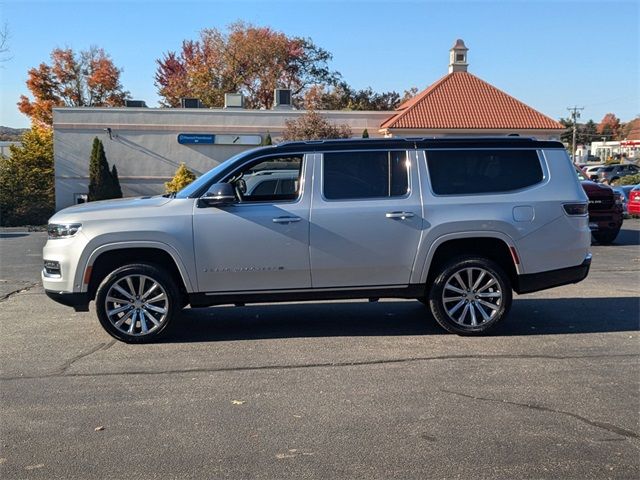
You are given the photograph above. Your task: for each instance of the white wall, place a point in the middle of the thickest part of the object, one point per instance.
(144, 144)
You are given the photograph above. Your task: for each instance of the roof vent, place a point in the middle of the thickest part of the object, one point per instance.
(190, 103)
(233, 100)
(282, 99)
(135, 104)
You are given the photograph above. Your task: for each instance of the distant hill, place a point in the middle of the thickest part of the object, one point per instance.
(11, 134)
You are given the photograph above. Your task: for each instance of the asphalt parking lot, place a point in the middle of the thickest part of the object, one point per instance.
(325, 390)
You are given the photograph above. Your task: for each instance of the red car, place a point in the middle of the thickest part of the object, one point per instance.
(633, 205)
(605, 210)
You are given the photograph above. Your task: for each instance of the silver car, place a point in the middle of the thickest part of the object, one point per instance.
(457, 223)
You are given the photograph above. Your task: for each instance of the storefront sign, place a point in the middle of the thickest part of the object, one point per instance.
(196, 138)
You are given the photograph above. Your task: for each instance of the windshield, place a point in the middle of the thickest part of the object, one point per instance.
(205, 178)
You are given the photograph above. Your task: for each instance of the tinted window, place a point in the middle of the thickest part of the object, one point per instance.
(349, 175)
(482, 171)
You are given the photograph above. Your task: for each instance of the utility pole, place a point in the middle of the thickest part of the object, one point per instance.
(575, 115)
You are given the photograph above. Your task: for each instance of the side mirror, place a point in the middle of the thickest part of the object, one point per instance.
(218, 194)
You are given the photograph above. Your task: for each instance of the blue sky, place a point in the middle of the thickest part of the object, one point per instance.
(549, 54)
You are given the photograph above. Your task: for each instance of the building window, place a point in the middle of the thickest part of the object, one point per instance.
(459, 57)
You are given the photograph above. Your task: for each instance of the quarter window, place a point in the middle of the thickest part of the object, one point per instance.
(455, 172)
(360, 175)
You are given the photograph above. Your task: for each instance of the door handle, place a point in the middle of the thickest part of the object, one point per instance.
(286, 219)
(400, 215)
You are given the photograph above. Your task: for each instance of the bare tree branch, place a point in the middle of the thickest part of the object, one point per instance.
(4, 43)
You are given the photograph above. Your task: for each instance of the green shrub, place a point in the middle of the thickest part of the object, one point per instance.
(27, 180)
(181, 179)
(629, 179)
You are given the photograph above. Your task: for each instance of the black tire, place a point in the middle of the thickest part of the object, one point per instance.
(475, 312)
(606, 237)
(155, 323)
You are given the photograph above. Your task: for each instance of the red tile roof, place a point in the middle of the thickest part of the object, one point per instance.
(461, 100)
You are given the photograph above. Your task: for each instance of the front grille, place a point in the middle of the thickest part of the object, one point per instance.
(603, 203)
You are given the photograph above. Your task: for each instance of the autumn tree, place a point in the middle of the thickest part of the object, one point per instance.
(344, 97)
(181, 179)
(609, 127)
(631, 129)
(103, 183)
(245, 58)
(87, 78)
(313, 126)
(27, 180)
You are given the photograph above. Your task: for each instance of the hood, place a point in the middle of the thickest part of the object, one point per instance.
(109, 207)
(593, 188)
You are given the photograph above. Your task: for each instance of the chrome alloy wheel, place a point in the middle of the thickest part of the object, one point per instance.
(472, 297)
(136, 305)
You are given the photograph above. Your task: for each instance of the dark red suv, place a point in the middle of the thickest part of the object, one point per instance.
(605, 211)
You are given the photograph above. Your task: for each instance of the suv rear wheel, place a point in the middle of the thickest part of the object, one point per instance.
(470, 295)
(137, 302)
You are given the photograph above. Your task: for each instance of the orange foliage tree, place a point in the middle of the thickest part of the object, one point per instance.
(609, 127)
(247, 59)
(87, 78)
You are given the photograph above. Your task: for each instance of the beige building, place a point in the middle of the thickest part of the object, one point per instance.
(148, 144)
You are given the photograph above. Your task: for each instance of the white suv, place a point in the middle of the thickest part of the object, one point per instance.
(457, 223)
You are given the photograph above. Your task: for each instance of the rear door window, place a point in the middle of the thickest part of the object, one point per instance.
(458, 172)
(362, 175)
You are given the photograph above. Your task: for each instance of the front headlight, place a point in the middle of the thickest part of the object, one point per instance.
(56, 230)
(619, 198)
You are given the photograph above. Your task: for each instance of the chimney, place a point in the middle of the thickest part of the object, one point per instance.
(190, 102)
(458, 57)
(233, 100)
(282, 99)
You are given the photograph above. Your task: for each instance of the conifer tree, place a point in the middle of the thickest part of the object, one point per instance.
(27, 180)
(101, 181)
(267, 140)
(115, 183)
(365, 134)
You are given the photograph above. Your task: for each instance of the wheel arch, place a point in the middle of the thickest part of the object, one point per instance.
(106, 258)
(493, 245)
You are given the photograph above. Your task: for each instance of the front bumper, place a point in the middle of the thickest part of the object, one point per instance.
(535, 282)
(78, 301)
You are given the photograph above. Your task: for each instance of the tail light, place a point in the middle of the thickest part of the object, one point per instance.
(576, 209)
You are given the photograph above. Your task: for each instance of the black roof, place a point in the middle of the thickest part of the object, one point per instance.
(403, 143)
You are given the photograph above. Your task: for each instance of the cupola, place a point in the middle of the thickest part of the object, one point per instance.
(458, 57)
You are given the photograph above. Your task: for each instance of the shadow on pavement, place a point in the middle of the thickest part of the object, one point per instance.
(627, 237)
(528, 317)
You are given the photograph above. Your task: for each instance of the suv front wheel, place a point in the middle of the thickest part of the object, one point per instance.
(136, 303)
(470, 295)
